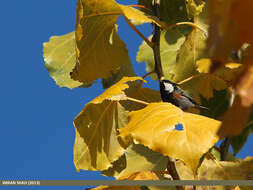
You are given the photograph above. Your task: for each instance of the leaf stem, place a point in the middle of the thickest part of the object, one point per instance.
(189, 24)
(150, 44)
(138, 101)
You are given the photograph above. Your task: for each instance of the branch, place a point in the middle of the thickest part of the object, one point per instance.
(171, 167)
(156, 40)
(150, 44)
(159, 71)
(224, 148)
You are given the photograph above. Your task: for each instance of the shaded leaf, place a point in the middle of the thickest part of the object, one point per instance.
(125, 71)
(140, 158)
(235, 119)
(171, 41)
(60, 58)
(145, 94)
(204, 85)
(100, 51)
(189, 53)
(155, 127)
(239, 140)
(96, 144)
(240, 170)
(171, 11)
(230, 28)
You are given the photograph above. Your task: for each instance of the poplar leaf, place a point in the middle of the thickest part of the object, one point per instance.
(155, 126)
(171, 42)
(96, 144)
(100, 51)
(60, 58)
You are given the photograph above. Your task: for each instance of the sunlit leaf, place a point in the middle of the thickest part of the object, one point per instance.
(171, 41)
(155, 127)
(96, 144)
(194, 7)
(60, 59)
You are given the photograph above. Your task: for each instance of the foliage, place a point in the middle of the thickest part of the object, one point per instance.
(127, 132)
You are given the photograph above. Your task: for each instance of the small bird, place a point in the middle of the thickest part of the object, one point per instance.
(174, 95)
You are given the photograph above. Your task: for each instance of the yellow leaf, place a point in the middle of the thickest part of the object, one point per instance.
(100, 51)
(96, 144)
(154, 126)
(140, 16)
(60, 58)
(116, 92)
(203, 65)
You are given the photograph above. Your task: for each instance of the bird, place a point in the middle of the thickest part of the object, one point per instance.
(170, 92)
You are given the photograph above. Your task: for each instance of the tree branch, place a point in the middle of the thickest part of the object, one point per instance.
(150, 44)
(224, 147)
(159, 71)
(171, 167)
(156, 41)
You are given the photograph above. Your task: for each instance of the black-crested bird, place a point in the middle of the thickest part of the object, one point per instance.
(174, 95)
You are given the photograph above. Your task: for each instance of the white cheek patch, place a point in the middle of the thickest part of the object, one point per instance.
(169, 87)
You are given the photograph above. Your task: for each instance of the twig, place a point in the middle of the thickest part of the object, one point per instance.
(224, 148)
(171, 167)
(141, 81)
(150, 44)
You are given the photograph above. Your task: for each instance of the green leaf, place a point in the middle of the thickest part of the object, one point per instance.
(60, 59)
(171, 41)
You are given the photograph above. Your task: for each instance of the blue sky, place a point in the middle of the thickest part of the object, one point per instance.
(37, 133)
